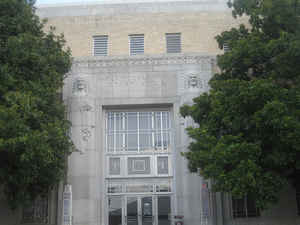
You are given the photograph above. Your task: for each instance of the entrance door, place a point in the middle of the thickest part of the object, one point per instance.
(139, 210)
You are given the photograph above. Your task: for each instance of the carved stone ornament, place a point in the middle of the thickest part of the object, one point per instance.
(86, 108)
(86, 134)
(193, 81)
(80, 87)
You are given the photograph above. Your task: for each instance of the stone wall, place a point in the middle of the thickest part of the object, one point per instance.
(197, 21)
(97, 84)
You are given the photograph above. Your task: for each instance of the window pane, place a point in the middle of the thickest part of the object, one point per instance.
(158, 141)
(144, 121)
(147, 214)
(118, 121)
(132, 211)
(115, 210)
(114, 188)
(145, 141)
(110, 122)
(114, 166)
(164, 210)
(132, 121)
(166, 141)
(165, 116)
(162, 165)
(132, 142)
(119, 142)
(157, 119)
(139, 188)
(163, 188)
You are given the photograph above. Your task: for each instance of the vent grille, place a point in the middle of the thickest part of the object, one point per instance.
(136, 44)
(173, 43)
(100, 45)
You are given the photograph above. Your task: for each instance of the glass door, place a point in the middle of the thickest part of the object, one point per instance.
(147, 211)
(139, 210)
(115, 210)
(164, 210)
(131, 217)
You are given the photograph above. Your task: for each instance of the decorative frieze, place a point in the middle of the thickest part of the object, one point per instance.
(204, 61)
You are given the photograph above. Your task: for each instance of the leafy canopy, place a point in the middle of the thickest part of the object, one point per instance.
(33, 130)
(248, 140)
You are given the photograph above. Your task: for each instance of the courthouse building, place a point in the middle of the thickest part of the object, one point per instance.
(135, 63)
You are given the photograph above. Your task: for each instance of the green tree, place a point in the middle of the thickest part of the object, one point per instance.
(33, 129)
(248, 139)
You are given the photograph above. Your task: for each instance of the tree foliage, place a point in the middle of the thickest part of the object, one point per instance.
(33, 130)
(248, 139)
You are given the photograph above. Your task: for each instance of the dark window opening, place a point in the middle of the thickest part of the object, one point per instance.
(244, 207)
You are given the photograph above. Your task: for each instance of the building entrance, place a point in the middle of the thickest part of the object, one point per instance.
(139, 210)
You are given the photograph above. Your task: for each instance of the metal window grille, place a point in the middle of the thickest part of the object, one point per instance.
(173, 43)
(244, 207)
(100, 45)
(37, 211)
(226, 47)
(136, 44)
(138, 131)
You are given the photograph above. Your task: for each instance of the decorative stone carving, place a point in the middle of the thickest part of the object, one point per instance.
(193, 81)
(86, 134)
(86, 108)
(80, 87)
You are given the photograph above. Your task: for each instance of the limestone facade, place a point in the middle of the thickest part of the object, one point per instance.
(137, 176)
